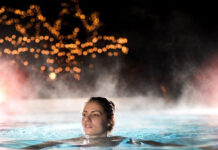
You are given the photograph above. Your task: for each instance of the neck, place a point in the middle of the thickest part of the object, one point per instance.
(98, 136)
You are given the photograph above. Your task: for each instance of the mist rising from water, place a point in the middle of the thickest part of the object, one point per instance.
(140, 95)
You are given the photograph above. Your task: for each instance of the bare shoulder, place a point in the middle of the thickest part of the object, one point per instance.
(116, 138)
(53, 143)
(43, 145)
(73, 139)
(154, 143)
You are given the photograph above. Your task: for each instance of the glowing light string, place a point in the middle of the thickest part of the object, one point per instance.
(42, 46)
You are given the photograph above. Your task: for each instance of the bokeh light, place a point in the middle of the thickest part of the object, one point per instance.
(52, 76)
(46, 47)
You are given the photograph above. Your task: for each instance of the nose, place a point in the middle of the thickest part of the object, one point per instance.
(87, 118)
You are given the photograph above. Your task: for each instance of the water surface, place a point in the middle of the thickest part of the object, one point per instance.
(193, 131)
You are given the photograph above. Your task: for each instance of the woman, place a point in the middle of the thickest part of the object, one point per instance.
(97, 122)
(98, 117)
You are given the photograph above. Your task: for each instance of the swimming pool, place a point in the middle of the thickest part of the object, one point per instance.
(46, 120)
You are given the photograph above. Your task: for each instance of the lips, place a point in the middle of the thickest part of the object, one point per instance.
(88, 126)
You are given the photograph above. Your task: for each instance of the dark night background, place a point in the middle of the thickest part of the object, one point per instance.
(168, 41)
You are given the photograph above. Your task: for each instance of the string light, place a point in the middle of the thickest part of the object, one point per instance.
(52, 76)
(53, 51)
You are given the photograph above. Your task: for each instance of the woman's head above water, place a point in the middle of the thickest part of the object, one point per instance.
(98, 117)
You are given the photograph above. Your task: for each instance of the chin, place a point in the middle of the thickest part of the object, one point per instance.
(88, 132)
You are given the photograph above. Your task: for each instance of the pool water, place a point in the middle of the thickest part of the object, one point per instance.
(193, 131)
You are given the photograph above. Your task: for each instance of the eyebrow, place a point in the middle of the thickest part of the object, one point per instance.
(93, 111)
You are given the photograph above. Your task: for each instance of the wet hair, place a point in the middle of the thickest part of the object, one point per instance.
(108, 107)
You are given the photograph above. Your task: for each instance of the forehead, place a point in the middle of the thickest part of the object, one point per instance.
(93, 106)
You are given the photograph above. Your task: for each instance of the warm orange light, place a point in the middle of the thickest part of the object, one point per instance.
(77, 76)
(124, 50)
(36, 56)
(51, 68)
(25, 63)
(85, 53)
(110, 54)
(1, 41)
(76, 69)
(43, 68)
(55, 46)
(115, 53)
(99, 51)
(67, 69)
(93, 56)
(32, 50)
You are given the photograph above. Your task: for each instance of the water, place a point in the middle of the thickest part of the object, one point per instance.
(194, 131)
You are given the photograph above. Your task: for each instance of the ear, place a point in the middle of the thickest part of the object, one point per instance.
(110, 123)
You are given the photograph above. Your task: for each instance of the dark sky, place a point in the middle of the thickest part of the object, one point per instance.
(168, 41)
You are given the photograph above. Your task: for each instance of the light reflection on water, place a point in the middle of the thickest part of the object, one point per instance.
(191, 130)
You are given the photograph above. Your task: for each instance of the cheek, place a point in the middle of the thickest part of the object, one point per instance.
(101, 123)
(83, 121)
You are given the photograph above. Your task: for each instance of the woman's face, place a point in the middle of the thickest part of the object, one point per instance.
(94, 120)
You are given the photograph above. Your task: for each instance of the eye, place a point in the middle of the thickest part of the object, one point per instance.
(96, 115)
(84, 114)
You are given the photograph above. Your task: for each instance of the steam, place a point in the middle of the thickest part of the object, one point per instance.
(15, 88)
(198, 84)
(192, 98)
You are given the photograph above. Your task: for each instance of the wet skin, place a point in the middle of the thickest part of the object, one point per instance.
(94, 120)
(99, 142)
